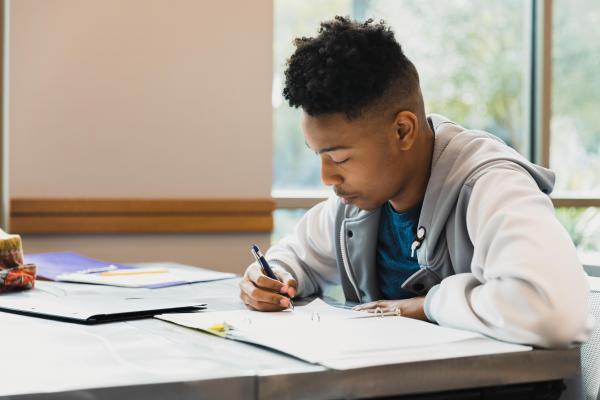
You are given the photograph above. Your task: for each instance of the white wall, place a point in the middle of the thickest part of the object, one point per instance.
(142, 99)
(223, 252)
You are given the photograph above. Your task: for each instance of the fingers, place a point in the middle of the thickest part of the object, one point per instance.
(259, 292)
(379, 306)
(260, 306)
(254, 274)
(261, 299)
(368, 306)
(289, 283)
(411, 308)
(286, 285)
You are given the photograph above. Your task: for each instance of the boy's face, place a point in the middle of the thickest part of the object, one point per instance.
(367, 160)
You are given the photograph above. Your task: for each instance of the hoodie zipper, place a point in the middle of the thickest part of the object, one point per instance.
(346, 263)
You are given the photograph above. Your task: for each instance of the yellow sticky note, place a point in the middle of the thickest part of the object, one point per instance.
(220, 328)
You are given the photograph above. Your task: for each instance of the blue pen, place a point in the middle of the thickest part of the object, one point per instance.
(264, 265)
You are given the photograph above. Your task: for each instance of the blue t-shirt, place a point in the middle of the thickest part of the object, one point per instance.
(394, 263)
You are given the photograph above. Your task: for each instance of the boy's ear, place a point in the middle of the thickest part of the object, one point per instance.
(406, 125)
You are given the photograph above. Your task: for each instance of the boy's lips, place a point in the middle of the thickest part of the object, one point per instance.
(347, 199)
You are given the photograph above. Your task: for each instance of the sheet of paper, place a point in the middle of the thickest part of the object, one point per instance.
(339, 338)
(463, 348)
(152, 277)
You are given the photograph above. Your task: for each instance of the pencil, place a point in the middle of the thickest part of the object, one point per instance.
(133, 272)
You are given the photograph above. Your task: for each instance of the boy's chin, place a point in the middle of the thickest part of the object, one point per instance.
(362, 203)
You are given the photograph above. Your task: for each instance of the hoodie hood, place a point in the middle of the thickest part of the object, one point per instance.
(442, 243)
(460, 156)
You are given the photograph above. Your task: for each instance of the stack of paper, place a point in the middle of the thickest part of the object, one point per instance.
(145, 277)
(72, 267)
(343, 339)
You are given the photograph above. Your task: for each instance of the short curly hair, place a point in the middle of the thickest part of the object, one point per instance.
(349, 67)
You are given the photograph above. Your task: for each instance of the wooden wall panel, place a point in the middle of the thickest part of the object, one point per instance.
(141, 215)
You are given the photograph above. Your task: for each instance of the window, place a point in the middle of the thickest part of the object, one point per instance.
(575, 123)
(286, 221)
(583, 225)
(574, 146)
(295, 167)
(472, 59)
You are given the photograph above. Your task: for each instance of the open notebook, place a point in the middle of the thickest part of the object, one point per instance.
(343, 339)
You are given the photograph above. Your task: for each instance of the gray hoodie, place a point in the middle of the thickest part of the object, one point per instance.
(442, 243)
(486, 236)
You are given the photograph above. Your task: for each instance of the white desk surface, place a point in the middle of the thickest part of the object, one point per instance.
(153, 359)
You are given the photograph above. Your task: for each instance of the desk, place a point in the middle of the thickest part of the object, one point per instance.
(152, 359)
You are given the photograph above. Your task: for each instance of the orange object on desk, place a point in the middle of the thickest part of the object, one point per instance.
(21, 277)
(14, 275)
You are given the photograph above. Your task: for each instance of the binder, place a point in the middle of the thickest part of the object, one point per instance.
(47, 300)
(343, 339)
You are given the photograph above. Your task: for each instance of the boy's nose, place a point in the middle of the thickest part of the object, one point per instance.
(328, 174)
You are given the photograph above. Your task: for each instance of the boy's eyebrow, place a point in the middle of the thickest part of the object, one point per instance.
(327, 149)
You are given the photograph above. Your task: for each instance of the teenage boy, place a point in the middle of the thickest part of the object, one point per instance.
(430, 220)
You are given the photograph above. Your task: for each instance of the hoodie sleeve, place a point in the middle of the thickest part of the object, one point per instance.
(309, 252)
(526, 284)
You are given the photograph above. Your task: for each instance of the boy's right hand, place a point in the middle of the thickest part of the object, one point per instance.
(261, 293)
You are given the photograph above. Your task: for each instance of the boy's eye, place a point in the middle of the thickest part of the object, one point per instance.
(341, 162)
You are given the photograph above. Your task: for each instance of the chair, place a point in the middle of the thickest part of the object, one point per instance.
(590, 351)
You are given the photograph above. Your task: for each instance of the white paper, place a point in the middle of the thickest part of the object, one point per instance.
(463, 348)
(172, 276)
(340, 339)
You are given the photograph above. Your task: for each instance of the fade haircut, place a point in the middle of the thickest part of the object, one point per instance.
(351, 67)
